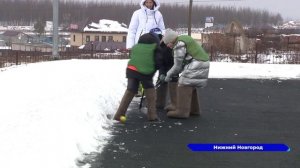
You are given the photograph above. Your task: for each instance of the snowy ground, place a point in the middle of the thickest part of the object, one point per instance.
(52, 113)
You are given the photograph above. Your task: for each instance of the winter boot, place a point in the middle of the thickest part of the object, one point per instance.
(161, 93)
(127, 98)
(184, 100)
(151, 104)
(195, 110)
(172, 86)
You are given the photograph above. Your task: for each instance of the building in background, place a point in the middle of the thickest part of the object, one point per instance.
(106, 31)
(13, 36)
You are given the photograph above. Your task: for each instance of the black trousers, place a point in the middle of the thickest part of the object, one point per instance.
(133, 84)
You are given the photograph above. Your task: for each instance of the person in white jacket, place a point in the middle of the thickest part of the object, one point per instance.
(143, 20)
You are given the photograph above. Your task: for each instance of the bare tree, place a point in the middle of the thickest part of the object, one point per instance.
(28, 11)
(39, 27)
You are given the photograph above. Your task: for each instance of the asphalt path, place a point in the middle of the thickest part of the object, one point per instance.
(232, 111)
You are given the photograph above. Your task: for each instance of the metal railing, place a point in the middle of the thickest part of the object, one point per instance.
(267, 57)
(10, 57)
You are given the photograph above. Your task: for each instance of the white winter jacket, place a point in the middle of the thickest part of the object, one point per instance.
(142, 21)
(194, 73)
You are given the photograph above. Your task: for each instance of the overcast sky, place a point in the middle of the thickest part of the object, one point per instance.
(289, 9)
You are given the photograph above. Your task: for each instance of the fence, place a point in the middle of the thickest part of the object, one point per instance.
(265, 57)
(10, 57)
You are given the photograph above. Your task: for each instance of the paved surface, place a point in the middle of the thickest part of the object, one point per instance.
(233, 111)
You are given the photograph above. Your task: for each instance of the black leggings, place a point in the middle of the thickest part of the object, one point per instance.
(133, 84)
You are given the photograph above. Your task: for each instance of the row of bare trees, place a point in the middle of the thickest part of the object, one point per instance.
(24, 12)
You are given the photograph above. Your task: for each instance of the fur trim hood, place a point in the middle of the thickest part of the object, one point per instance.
(155, 7)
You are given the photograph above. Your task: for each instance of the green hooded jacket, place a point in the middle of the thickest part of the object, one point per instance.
(142, 58)
(193, 48)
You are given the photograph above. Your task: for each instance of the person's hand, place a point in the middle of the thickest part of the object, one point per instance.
(168, 78)
(162, 77)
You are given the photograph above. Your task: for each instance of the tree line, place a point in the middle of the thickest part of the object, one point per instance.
(27, 12)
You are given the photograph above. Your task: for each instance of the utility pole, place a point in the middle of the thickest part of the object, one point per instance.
(55, 54)
(190, 18)
(190, 12)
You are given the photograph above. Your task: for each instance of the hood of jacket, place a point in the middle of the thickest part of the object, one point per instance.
(155, 7)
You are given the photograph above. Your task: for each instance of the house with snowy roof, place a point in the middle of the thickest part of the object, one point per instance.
(13, 36)
(104, 31)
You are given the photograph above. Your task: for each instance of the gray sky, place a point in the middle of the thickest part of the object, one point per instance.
(289, 9)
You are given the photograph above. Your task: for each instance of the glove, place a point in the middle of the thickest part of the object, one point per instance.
(162, 77)
(168, 78)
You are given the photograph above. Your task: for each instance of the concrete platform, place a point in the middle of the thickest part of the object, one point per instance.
(233, 111)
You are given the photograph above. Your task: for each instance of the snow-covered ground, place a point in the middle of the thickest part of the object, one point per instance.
(52, 113)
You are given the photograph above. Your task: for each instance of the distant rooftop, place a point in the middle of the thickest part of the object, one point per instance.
(104, 25)
(11, 33)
